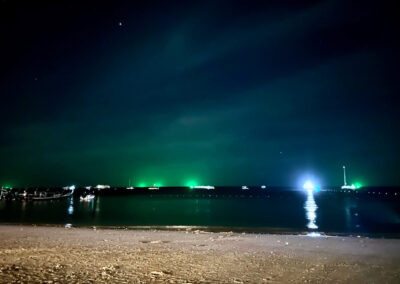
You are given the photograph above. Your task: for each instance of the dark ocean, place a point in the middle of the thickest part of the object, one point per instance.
(371, 212)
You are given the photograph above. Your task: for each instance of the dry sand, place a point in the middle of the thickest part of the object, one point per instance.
(84, 255)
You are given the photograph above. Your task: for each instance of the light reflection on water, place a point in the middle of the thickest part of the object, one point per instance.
(299, 210)
(313, 235)
(311, 210)
(71, 207)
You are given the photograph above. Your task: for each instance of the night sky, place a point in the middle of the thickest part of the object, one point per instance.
(219, 92)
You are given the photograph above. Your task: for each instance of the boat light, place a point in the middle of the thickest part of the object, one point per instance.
(204, 187)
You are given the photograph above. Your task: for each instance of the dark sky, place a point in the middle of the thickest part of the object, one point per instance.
(220, 92)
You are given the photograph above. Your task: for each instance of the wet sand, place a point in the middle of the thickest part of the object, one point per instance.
(84, 255)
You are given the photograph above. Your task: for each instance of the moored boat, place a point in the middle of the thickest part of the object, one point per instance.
(345, 185)
(88, 197)
(49, 196)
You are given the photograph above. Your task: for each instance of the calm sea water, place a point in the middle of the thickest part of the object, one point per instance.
(364, 213)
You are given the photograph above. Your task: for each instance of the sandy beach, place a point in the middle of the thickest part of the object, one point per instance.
(85, 255)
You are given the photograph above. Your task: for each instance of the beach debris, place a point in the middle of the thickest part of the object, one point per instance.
(68, 226)
(157, 273)
(108, 268)
(286, 243)
(155, 242)
(105, 275)
(107, 271)
(58, 266)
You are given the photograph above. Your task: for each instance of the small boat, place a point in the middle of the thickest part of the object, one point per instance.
(49, 196)
(23, 195)
(87, 198)
(36, 195)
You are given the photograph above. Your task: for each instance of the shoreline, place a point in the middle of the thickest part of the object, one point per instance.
(218, 229)
(83, 254)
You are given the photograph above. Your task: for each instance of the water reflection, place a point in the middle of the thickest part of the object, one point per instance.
(313, 235)
(71, 207)
(351, 214)
(311, 207)
(291, 210)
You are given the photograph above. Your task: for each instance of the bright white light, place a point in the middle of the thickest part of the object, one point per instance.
(263, 187)
(102, 186)
(311, 210)
(88, 187)
(244, 187)
(349, 186)
(208, 187)
(72, 187)
(308, 185)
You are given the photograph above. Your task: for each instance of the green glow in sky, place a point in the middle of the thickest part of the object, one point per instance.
(191, 183)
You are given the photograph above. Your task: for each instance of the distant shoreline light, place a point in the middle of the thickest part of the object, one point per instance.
(308, 185)
(204, 187)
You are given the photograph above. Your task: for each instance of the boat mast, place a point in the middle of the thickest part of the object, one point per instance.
(344, 175)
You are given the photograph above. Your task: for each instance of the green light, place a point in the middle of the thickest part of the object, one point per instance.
(357, 185)
(191, 184)
(142, 184)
